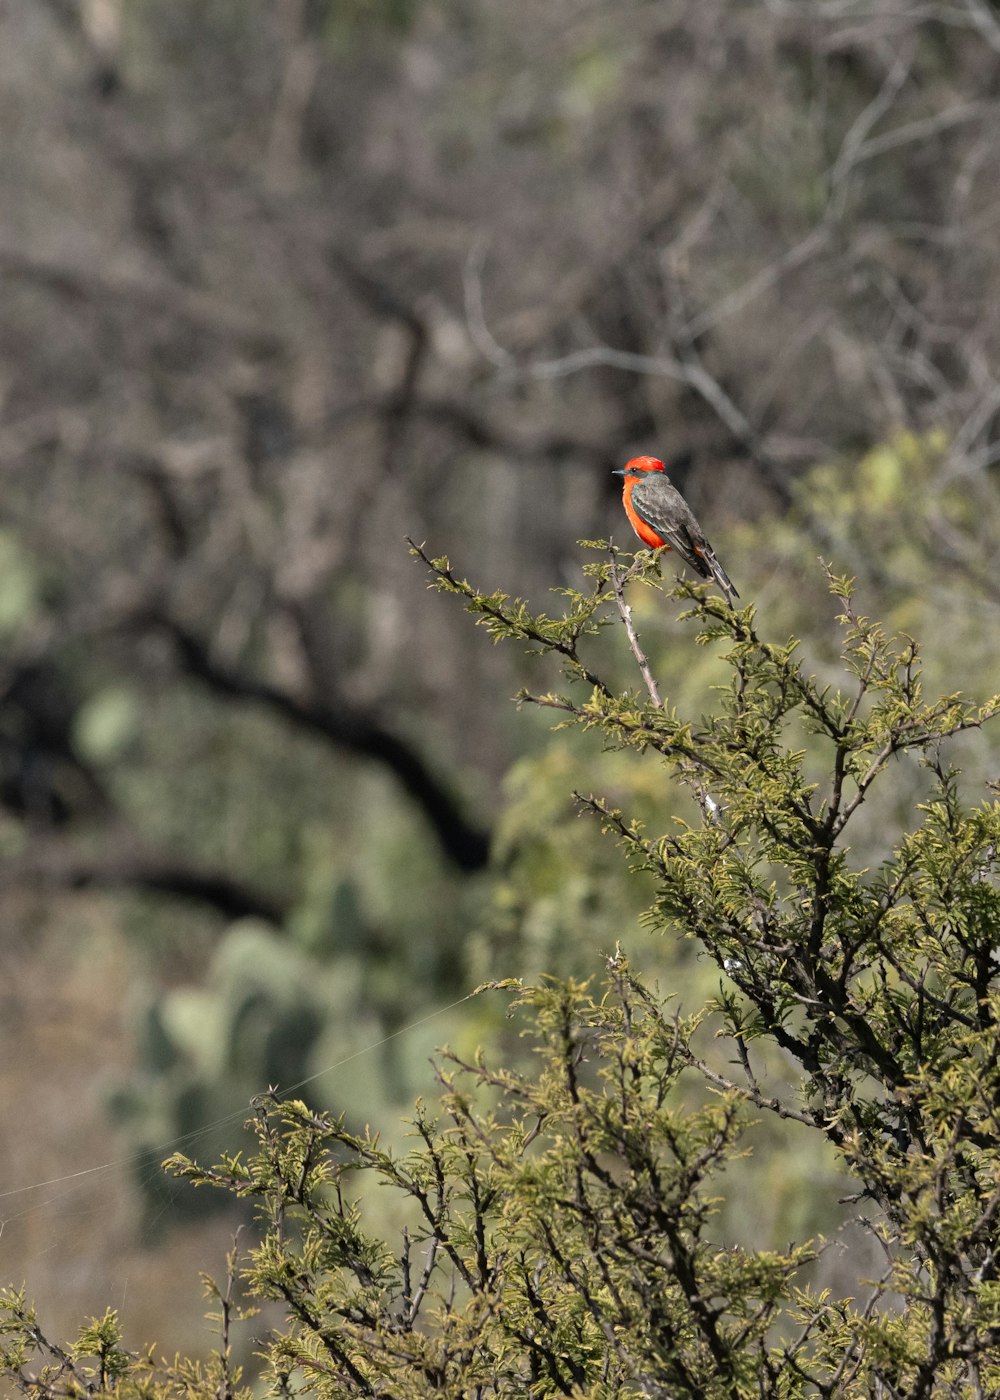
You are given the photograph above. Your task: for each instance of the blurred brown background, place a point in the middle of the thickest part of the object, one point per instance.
(284, 283)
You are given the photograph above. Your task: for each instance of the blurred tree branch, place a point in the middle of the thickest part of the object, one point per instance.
(53, 864)
(464, 843)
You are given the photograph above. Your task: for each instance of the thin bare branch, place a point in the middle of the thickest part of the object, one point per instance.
(625, 612)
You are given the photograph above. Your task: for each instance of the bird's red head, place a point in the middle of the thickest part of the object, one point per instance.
(638, 465)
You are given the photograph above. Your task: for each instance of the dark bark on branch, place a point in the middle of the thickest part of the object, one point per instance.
(464, 843)
(54, 865)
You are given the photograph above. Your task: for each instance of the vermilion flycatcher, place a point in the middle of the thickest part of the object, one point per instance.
(662, 518)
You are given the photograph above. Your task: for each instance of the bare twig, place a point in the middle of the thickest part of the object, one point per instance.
(857, 133)
(297, 85)
(475, 318)
(633, 638)
(762, 281)
(985, 21)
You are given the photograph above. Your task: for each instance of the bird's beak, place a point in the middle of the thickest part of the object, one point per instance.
(618, 471)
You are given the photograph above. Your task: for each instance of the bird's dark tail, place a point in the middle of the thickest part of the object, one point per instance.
(721, 577)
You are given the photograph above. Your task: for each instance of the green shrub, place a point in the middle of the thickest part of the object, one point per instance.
(554, 1223)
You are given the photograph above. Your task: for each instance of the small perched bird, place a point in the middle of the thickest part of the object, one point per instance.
(662, 518)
